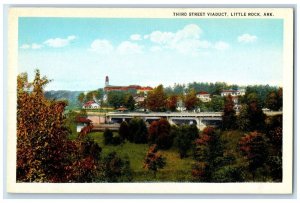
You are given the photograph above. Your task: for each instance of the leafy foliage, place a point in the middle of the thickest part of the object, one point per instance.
(156, 99)
(172, 103)
(138, 132)
(124, 131)
(129, 102)
(154, 160)
(229, 115)
(115, 169)
(159, 133)
(108, 136)
(254, 147)
(208, 154)
(274, 100)
(251, 117)
(44, 152)
(185, 136)
(191, 100)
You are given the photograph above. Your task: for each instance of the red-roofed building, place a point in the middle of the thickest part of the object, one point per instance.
(91, 105)
(204, 96)
(135, 88)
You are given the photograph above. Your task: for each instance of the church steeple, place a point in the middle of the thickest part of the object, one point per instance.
(106, 81)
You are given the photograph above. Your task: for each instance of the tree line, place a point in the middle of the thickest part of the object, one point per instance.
(162, 99)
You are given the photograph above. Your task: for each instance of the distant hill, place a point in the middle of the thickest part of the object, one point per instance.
(71, 96)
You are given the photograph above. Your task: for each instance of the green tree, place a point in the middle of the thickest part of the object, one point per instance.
(108, 136)
(138, 132)
(156, 99)
(81, 98)
(274, 134)
(217, 103)
(116, 98)
(124, 131)
(229, 115)
(129, 102)
(272, 101)
(115, 169)
(243, 118)
(185, 137)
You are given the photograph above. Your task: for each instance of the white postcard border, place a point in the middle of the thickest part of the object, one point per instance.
(158, 188)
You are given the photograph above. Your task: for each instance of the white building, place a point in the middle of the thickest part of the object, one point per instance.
(204, 96)
(240, 92)
(91, 105)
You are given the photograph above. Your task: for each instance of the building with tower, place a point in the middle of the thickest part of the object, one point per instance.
(134, 89)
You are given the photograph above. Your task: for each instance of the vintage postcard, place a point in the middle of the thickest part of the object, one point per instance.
(150, 100)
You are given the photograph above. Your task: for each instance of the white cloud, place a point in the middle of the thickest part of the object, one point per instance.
(135, 37)
(159, 37)
(186, 40)
(101, 46)
(189, 32)
(246, 38)
(36, 46)
(32, 46)
(220, 45)
(25, 46)
(127, 47)
(59, 42)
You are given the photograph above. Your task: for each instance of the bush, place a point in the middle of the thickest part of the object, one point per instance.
(184, 138)
(116, 140)
(138, 132)
(154, 160)
(108, 137)
(124, 131)
(115, 169)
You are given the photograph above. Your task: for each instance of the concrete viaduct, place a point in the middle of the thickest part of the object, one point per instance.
(200, 119)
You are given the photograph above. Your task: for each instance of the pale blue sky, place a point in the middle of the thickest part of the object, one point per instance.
(77, 53)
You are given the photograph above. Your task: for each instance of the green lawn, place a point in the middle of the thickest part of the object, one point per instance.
(176, 169)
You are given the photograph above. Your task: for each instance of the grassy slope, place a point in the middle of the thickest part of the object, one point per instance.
(176, 169)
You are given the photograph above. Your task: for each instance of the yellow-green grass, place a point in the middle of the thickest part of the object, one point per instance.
(176, 169)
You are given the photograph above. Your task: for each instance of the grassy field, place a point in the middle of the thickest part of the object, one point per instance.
(176, 169)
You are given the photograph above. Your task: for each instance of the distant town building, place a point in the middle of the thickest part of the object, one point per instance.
(91, 105)
(137, 88)
(240, 92)
(139, 99)
(134, 88)
(203, 96)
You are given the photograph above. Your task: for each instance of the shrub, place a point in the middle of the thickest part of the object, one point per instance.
(154, 160)
(108, 137)
(115, 169)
